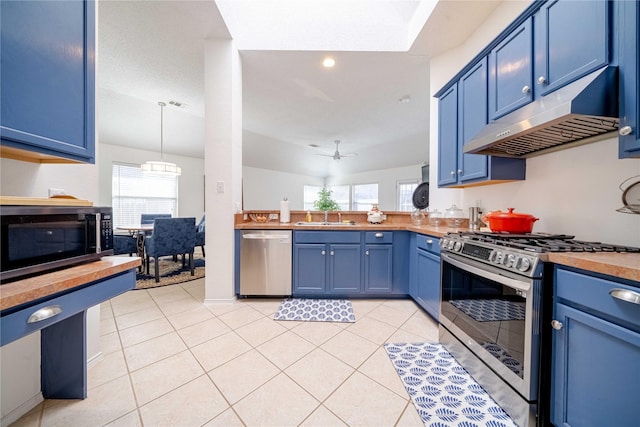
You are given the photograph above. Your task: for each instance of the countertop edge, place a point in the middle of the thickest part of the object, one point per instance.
(622, 265)
(23, 291)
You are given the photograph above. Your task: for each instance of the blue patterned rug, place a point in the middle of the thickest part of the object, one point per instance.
(315, 310)
(490, 310)
(443, 392)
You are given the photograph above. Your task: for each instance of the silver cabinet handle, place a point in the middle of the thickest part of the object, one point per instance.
(44, 313)
(541, 80)
(625, 130)
(379, 235)
(453, 173)
(366, 252)
(323, 253)
(459, 170)
(625, 295)
(526, 89)
(331, 253)
(556, 325)
(429, 242)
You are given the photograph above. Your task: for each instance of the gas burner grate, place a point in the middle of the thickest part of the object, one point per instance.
(540, 243)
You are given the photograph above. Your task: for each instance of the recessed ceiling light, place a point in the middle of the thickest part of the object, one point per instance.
(313, 145)
(329, 62)
(404, 99)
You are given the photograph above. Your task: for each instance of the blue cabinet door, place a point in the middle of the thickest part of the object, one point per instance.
(448, 137)
(48, 83)
(429, 282)
(472, 117)
(571, 40)
(595, 373)
(629, 60)
(309, 268)
(344, 268)
(378, 268)
(511, 72)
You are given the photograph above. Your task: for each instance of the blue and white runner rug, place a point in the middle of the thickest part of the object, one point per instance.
(315, 310)
(443, 392)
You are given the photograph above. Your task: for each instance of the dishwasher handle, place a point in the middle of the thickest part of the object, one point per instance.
(265, 236)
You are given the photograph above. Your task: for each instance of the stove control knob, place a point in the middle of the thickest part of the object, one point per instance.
(498, 257)
(443, 243)
(510, 260)
(524, 264)
(457, 247)
(450, 245)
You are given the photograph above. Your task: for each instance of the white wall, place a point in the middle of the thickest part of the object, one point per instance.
(264, 188)
(190, 183)
(387, 180)
(574, 191)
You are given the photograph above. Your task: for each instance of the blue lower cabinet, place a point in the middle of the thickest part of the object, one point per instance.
(424, 279)
(378, 268)
(428, 267)
(344, 269)
(596, 349)
(62, 322)
(350, 263)
(309, 268)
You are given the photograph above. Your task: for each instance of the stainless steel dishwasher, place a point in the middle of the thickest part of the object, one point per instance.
(265, 262)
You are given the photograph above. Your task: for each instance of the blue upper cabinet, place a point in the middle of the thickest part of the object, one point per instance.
(462, 113)
(511, 72)
(448, 137)
(571, 40)
(472, 117)
(48, 80)
(629, 61)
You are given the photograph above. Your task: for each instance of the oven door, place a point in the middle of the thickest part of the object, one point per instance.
(495, 314)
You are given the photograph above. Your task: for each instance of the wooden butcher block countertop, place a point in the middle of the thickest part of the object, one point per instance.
(23, 291)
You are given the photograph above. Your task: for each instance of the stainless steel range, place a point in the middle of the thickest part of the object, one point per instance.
(495, 313)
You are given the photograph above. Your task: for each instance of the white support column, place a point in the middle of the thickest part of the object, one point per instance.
(222, 164)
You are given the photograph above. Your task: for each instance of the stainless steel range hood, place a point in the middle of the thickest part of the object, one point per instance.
(581, 112)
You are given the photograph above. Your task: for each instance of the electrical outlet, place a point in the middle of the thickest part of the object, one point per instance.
(273, 216)
(220, 186)
(56, 192)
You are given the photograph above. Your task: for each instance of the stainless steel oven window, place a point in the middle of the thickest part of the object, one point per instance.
(496, 316)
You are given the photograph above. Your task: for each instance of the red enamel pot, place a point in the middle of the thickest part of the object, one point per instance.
(509, 222)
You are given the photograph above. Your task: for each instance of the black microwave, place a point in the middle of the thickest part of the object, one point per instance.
(37, 239)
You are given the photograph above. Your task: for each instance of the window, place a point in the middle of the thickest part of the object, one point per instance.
(364, 195)
(357, 197)
(340, 193)
(405, 194)
(134, 193)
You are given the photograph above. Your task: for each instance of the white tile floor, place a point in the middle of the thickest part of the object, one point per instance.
(170, 360)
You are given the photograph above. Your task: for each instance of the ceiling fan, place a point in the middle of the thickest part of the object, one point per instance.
(337, 155)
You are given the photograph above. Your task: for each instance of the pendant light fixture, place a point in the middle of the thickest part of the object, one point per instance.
(161, 167)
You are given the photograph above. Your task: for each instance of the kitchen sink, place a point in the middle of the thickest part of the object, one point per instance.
(325, 224)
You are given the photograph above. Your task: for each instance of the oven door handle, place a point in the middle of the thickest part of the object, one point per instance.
(521, 285)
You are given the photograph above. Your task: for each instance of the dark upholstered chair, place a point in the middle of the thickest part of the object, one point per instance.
(171, 236)
(149, 218)
(200, 234)
(124, 244)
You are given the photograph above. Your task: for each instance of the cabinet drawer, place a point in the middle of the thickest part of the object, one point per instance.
(326, 236)
(428, 243)
(378, 237)
(16, 324)
(596, 296)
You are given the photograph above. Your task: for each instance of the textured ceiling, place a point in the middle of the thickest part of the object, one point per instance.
(152, 51)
